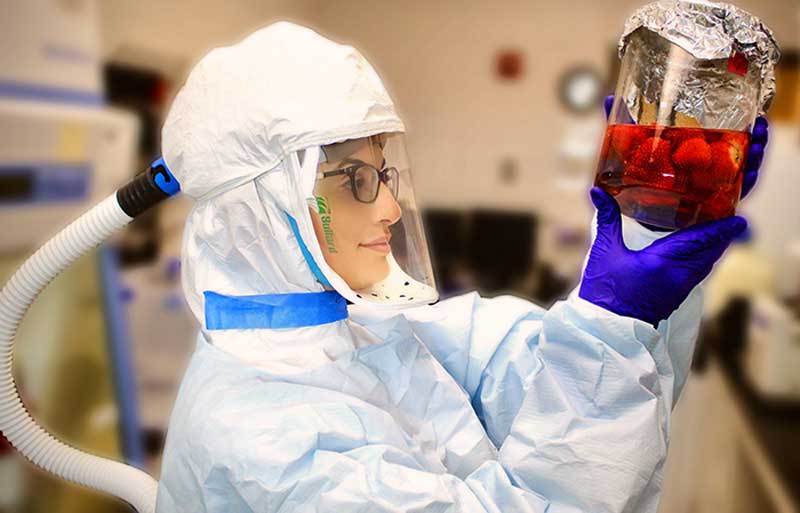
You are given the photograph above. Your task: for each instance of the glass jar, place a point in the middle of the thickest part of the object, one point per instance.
(687, 95)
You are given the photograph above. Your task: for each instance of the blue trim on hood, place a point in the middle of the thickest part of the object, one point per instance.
(307, 254)
(272, 311)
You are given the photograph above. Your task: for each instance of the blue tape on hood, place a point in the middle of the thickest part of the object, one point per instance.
(272, 311)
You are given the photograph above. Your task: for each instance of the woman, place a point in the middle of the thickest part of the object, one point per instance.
(355, 239)
(293, 150)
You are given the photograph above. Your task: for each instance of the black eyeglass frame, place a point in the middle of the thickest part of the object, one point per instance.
(355, 165)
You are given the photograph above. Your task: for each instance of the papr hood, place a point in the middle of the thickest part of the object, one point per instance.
(234, 139)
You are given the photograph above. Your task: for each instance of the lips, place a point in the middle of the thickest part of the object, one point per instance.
(379, 244)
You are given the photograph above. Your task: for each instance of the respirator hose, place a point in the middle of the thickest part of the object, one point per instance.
(81, 236)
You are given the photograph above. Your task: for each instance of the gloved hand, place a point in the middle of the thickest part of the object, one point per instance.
(651, 283)
(758, 141)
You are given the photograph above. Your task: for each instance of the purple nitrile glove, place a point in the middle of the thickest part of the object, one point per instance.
(758, 141)
(651, 283)
(755, 155)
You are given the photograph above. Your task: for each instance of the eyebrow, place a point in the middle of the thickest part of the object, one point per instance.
(348, 164)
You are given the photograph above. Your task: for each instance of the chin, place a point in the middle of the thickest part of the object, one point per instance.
(369, 273)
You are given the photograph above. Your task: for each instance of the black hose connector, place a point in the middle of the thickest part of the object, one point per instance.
(146, 190)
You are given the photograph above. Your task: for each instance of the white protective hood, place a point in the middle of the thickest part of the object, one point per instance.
(243, 138)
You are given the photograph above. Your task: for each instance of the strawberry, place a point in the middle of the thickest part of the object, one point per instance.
(653, 154)
(705, 180)
(635, 175)
(625, 139)
(652, 164)
(682, 181)
(726, 159)
(664, 178)
(738, 140)
(721, 204)
(725, 163)
(692, 156)
(677, 136)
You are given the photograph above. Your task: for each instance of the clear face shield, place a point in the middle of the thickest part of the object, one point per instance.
(367, 222)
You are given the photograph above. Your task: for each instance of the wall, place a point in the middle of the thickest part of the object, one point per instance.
(174, 35)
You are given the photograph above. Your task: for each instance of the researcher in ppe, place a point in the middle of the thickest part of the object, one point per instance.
(324, 380)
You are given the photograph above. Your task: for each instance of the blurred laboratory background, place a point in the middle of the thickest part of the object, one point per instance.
(503, 104)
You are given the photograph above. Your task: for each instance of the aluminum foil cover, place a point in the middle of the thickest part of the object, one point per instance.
(711, 31)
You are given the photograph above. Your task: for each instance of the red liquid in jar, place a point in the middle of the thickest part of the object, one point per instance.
(673, 177)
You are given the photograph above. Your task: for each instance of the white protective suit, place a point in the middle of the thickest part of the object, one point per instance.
(471, 405)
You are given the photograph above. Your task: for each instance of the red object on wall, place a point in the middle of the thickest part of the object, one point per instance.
(510, 64)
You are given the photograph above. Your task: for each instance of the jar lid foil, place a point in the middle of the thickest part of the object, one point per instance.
(711, 31)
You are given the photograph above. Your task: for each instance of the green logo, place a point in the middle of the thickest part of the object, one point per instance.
(325, 217)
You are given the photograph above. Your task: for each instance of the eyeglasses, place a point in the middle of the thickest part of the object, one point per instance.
(365, 179)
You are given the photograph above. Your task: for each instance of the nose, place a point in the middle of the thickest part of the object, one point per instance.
(387, 210)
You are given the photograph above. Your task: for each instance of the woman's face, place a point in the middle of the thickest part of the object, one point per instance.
(354, 236)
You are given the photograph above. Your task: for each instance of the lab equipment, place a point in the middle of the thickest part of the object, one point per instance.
(162, 333)
(57, 160)
(694, 77)
(51, 52)
(772, 352)
(772, 343)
